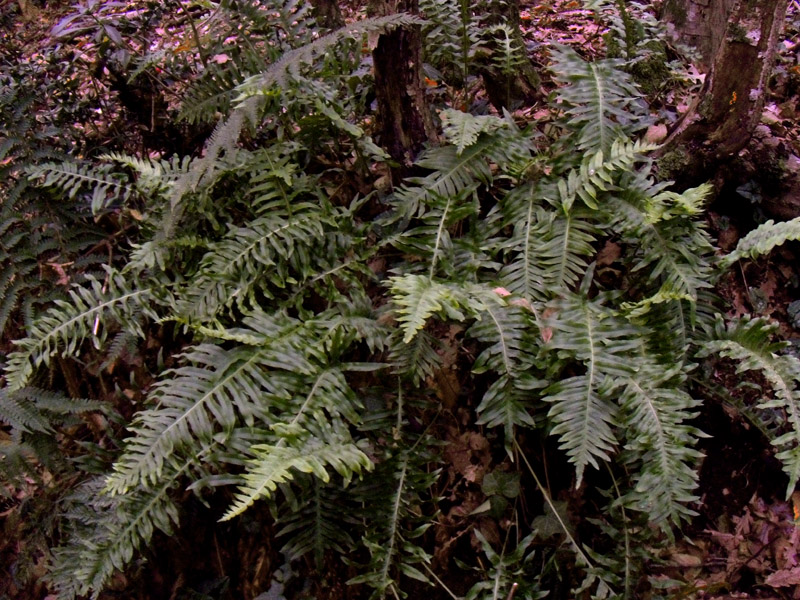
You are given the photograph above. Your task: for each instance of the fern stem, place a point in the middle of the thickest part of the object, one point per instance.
(626, 535)
(440, 582)
(439, 234)
(549, 501)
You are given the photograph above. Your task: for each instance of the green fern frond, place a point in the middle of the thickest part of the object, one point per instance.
(583, 414)
(108, 531)
(20, 414)
(67, 324)
(509, 399)
(417, 359)
(104, 187)
(748, 343)
(550, 252)
(314, 519)
(462, 129)
(506, 576)
(655, 411)
(418, 298)
(198, 400)
(393, 523)
(763, 239)
(273, 465)
(601, 101)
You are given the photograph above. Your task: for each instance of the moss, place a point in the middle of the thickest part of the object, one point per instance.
(653, 72)
(672, 163)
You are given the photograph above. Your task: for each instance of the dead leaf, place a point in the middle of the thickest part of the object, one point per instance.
(656, 134)
(784, 578)
(608, 254)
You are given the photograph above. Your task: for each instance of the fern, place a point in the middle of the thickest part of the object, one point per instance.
(108, 531)
(583, 413)
(107, 189)
(506, 572)
(273, 465)
(507, 402)
(748, 343)
(67, 324)
(601, 101)
(206, 394)
(762, 240)
(656, 411)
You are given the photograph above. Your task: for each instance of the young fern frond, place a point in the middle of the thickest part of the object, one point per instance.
(762, 240)
(748, 343)
(506, 576)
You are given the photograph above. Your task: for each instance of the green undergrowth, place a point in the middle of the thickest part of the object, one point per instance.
(272, 336)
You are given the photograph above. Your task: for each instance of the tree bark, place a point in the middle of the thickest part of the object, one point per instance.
(405, 122)
(700, 24)
(722, 119)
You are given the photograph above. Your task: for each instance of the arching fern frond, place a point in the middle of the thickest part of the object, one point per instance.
(67, 324)
(583, 413)
(748, 343)
(763, 239)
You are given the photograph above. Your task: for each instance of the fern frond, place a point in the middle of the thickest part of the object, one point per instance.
(195, 401)
(417, 359)
(109, 531)
(763, 239)
(748, 343)
(550, 250)
(601, 101)
(314, 519)
(462, 129)
(67, 324)
(583, 414)
(655, 411)
(393, 523)
(509, 399)
(273, 465)
(105, 188)
(419, 297)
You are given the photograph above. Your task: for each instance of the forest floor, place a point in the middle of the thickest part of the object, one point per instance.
(745, 541)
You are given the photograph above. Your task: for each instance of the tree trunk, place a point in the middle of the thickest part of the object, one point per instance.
(722, 119)
(405, 122)
(700, 24)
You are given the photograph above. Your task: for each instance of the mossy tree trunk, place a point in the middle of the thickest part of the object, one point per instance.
(405, 122)
(722, 119)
